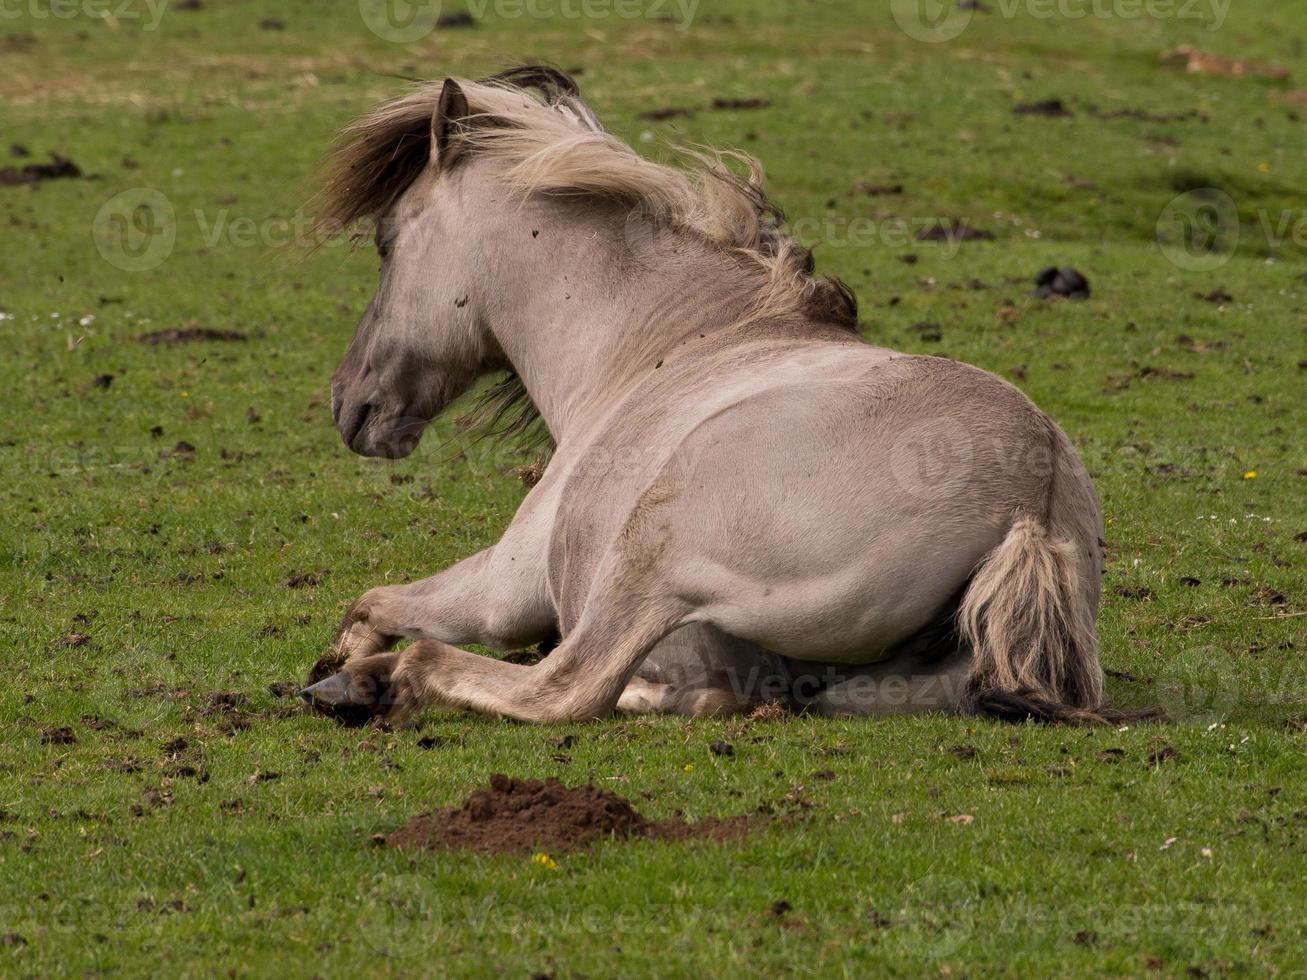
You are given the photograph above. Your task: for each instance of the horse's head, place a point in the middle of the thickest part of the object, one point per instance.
(421, 342)
(454, 188)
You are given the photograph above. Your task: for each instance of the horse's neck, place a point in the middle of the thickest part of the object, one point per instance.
(583, 323)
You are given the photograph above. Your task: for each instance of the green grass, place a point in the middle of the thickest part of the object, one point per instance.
(120, 856)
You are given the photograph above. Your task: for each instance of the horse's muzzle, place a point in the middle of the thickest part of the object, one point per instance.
(371, 431)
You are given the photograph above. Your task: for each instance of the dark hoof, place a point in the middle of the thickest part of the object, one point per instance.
(351, 701)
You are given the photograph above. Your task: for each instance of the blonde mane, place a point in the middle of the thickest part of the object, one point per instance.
(534, 121)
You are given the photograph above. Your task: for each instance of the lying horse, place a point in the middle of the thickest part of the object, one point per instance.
(746, 502)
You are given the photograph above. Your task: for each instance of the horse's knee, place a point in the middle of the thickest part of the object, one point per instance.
(370, 625)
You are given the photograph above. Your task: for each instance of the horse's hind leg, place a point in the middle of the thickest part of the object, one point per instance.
(699, 671)
(642, 697)
(904, 684)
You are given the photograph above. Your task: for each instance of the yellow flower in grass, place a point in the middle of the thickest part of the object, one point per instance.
(1250, 475)
(688, 767)
(545, 861)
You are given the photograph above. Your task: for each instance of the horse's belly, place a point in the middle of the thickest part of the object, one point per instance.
(882, 595)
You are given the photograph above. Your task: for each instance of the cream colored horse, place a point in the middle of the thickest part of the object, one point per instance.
(746, 503)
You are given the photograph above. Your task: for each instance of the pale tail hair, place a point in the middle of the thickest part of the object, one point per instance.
(1028, 615)
(1029, 623)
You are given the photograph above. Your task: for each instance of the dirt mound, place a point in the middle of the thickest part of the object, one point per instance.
(522, 815)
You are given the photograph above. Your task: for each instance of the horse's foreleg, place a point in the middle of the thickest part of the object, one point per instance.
(500, 604)
(630, 608)
(582, 679)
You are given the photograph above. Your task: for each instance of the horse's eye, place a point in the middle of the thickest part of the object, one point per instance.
(383, 249)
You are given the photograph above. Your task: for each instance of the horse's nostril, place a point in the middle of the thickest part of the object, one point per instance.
(352, 423)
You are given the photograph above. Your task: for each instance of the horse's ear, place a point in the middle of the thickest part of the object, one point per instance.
(448, 125)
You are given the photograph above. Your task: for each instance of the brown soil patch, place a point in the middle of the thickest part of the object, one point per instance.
(667, 112)
(521, 815)
(876, 190)
(754, 103)
(324, 667)
(1134, 592)
(1143, 115)
(304, 580)
(189, 335)
(34, 173)
(58, 736)
(1052, 108)
(954, 230)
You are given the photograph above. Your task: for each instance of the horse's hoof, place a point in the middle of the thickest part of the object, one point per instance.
(340, 698)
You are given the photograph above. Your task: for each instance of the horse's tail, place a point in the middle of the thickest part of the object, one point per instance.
(1028, 614)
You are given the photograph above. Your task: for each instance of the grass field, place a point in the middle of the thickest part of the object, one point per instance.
(182, 527)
